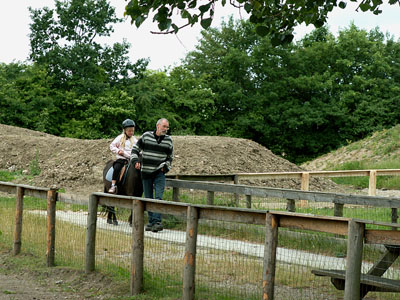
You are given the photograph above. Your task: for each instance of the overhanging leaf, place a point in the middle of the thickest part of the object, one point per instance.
(205, 23)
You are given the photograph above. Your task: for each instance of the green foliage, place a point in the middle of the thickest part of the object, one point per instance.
(274, 18)
(65, 41)
(76, 86)
(26, 97)
(302, 100)
(34, 168)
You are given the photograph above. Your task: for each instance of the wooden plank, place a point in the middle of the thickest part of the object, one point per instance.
(189, 270)
(33, 191)
(354, 260)
(381, 284)
(271, 175)
(137, 269)
(40, 194)
(162, 206)
(269, 261)
(119, 201)
(378, 223)
(315, 224)
(376, 236)
(165, 207)
(73, 199)
(338, 173)
(250, 217)
(216, 177)
(7, 187)
(388, 172)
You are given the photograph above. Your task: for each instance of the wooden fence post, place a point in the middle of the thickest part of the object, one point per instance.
(175, 194)
(51, 226)
(305, 186)
(136, 284)
(236, 181)
(210, 198)
(18, 220)
(91, 234)
(271, 244)
(190, 254)
(372, 183)
(338, 209)
(248, 201)
(354, 260)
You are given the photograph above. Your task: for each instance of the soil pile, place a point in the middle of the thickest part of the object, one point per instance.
(76, 165)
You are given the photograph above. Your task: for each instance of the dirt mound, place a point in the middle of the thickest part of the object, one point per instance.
(77, 165)
(381, 146)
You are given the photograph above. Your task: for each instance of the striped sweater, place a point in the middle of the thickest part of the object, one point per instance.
(157, 152)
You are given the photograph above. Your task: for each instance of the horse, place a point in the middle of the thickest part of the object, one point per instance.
(130, 185)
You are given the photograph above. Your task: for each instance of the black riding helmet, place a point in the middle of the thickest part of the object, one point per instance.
(128, 123)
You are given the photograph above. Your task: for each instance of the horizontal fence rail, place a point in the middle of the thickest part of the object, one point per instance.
(272, 220)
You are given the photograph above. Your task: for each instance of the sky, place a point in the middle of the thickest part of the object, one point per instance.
(167, 50)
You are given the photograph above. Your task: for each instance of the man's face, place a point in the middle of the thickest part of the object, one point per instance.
(162, 128)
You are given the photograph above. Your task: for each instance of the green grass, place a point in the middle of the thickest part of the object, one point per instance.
(9, 176)
(382, 182)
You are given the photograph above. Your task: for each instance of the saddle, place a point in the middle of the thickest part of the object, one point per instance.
(122, 174)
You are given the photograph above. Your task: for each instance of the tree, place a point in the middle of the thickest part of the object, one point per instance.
(26, 99)
(303, 99)
(274, 17)
(223, 61)
(65, 41)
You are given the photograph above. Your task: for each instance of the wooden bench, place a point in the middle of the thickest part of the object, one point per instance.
(372, 281)
(368, 282)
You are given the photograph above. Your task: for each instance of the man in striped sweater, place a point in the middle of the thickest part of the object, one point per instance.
(157, 152)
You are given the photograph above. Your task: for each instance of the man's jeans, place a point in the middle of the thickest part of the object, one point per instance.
(155, 184)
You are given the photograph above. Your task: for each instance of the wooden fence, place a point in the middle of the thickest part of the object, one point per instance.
(303, 176)
(339, 200)
(272, 220)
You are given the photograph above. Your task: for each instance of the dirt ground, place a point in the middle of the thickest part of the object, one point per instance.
(18, 282)
(76, 165)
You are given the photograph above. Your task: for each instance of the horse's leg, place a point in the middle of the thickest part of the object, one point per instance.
(112, 218)
(130, 219)
(110, 214)
(115, 222)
